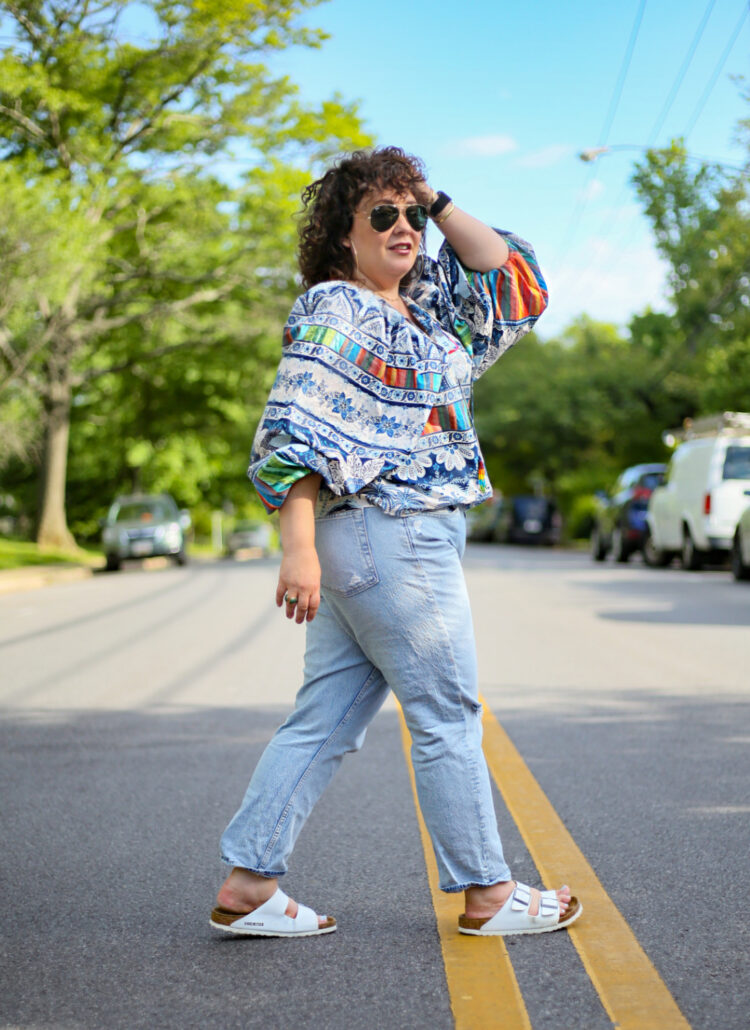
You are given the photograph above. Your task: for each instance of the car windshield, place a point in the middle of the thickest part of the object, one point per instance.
(737, 463)
(531, 507)
(650, 480)
(136, 511)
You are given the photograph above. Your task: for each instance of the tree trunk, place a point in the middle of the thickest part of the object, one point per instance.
(52, 524)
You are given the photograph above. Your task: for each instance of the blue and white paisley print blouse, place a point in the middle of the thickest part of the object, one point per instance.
(381, 407)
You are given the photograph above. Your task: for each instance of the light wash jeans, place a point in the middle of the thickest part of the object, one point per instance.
(395, 615)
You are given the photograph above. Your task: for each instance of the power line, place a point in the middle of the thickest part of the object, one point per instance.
(613, 224)
(716, 72)
(617, 92)
(680, 74)
(610, 226)
(576, 214)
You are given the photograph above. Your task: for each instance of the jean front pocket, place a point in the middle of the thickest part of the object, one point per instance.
(343, 546)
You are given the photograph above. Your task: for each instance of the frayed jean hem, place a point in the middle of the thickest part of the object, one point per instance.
(475, 883)
(266, 873)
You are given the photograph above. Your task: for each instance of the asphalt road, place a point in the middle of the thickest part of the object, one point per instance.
(135, 705)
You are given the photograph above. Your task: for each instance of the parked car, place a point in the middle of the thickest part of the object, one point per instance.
(529, 520)
(695, 513)
(620, 523)
(741, 544)
(143, 525)
(250, 535)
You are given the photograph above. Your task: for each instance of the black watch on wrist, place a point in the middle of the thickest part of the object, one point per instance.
(439, 204)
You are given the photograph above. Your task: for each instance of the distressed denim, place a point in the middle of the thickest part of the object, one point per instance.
(394, 615)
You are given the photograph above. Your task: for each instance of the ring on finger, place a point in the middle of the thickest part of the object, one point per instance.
(290, 600)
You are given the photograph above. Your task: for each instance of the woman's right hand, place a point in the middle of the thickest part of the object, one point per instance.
(299, 577)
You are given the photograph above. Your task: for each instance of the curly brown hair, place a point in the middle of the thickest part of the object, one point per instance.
(330, 203)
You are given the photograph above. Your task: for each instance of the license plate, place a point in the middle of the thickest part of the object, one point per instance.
(532, 526)
(142, 547)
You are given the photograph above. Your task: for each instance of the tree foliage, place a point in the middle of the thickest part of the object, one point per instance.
(146, 280)
(565, 416)
(701, 223)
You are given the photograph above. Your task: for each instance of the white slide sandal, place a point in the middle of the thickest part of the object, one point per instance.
(514, 916)
(270, 920)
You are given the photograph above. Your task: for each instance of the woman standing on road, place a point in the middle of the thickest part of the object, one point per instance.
(367, 447)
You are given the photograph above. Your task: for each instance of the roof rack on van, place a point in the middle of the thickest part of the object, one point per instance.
(728, 423)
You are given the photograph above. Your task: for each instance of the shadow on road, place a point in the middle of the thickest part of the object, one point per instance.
(694, 599)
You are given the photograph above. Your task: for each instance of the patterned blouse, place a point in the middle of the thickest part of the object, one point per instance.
(381, 407)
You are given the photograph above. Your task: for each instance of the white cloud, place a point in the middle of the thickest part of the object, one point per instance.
(545, 157)
(592, 190)
(609, 281)
(483, 146)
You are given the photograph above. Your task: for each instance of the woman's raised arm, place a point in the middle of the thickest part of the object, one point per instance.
(477, 245)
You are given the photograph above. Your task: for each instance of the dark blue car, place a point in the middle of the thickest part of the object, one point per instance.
(620, 523)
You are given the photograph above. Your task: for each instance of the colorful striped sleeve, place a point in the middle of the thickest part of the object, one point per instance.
(490, 311)
(277, 475)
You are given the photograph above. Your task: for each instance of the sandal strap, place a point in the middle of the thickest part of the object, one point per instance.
(521, 897)
(271, 917)
(549, 906)
(275, 906)
(305, 919)
(274, 910)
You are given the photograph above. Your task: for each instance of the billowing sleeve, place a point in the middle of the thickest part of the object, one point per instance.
(346, 402)
(487, 311)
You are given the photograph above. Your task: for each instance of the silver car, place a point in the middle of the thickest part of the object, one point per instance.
(144, 525)
(250, 535)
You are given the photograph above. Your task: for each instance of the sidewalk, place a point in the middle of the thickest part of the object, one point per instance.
(29, 577)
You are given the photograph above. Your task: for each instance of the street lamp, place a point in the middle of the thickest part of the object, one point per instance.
(593, 153)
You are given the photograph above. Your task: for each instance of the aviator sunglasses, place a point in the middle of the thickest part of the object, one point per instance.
(384, 216)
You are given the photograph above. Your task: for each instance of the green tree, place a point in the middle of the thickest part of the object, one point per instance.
(701, 222)
(125, 252)
(567, 415)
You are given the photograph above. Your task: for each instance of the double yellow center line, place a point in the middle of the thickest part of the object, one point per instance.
(479, 974)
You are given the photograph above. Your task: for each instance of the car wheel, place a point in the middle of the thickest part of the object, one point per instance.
(653, 555)
(619, 551)
(596, 545)
(113, 563)
(180, 558)
(739, 569)
(691, 557)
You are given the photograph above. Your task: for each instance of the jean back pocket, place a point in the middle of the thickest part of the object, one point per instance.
(343, 546)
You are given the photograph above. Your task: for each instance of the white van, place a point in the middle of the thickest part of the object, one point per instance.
(706, 489)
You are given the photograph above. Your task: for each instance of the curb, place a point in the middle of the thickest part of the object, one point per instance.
(31, 577)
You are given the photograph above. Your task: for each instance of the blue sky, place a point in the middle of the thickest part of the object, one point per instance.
(498, 99)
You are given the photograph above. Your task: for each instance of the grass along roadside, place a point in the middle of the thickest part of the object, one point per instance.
(19, 554)
(23, 554)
